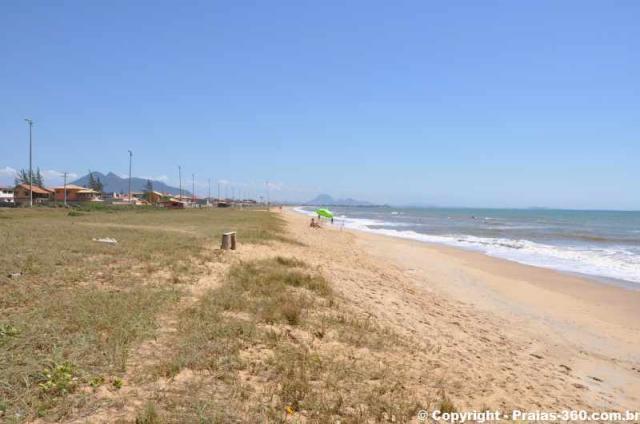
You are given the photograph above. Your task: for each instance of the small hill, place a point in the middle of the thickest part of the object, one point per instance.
(326, 200)
(113, 183)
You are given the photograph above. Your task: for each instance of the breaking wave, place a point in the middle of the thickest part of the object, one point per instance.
(618, 263)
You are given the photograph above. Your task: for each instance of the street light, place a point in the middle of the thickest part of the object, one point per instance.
(30, 122)
(268, 198)
(130, 156)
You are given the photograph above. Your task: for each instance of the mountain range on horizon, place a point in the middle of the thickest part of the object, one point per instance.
(327, 200)
(113, 183)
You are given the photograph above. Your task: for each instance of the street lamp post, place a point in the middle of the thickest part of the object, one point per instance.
(30, 122)
(268, 198)
(130, 157)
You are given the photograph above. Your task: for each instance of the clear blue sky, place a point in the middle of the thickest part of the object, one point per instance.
(476, 103)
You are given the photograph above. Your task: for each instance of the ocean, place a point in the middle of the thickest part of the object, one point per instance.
(600, 244)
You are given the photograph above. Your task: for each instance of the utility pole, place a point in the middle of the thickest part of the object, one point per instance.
(268, 199)
(180, 179)
(65, 188)
(193, 194)
(209, 196)
(130, 157)
(218, 191)
(30, 122)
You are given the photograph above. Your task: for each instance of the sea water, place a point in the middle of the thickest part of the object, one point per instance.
(603, 244)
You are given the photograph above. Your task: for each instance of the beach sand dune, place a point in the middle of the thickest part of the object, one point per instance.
(491, 333)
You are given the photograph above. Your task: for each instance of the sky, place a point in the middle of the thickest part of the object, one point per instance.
(450, 103)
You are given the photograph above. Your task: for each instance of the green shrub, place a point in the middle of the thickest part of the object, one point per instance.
(58, 379)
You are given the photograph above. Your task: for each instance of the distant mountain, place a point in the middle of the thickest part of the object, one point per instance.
(321, 199)
(326, 200)
(113, 183)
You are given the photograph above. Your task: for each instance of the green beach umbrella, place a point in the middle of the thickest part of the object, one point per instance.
(324, 212)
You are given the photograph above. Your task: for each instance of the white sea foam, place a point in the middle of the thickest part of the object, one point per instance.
(617, 263)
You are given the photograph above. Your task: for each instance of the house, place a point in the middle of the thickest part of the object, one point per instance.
(188, 201)
(172, 203)
(203, 202)
(40, 194)
(6, 196)
(126, 202)
(154, 197)
(113, 196)
(76, 194)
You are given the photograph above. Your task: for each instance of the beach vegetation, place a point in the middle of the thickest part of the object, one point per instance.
(149, 415)
(79, 308)
(446, 405)
(254, 339)
(270, 340)
(58, 379)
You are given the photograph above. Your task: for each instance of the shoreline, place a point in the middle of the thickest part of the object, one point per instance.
(600, 279)
(591, 327)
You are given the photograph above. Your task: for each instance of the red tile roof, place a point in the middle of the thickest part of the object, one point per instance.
(36, 189)
(70, 187)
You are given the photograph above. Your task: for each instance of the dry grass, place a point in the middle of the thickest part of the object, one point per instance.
(273, 342)
(69, 322)
(149, 415)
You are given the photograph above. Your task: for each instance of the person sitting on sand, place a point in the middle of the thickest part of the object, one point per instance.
(315, 224)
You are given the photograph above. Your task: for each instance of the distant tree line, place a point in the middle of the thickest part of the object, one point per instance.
(148, 189)
(23, 177)
(94, 182)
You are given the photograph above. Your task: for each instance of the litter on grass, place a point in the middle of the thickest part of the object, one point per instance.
(107, 240)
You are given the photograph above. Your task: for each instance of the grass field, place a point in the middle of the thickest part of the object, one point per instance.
(266, 339)
(70, 318)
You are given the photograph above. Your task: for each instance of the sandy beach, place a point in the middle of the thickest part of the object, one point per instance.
(495, 333)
